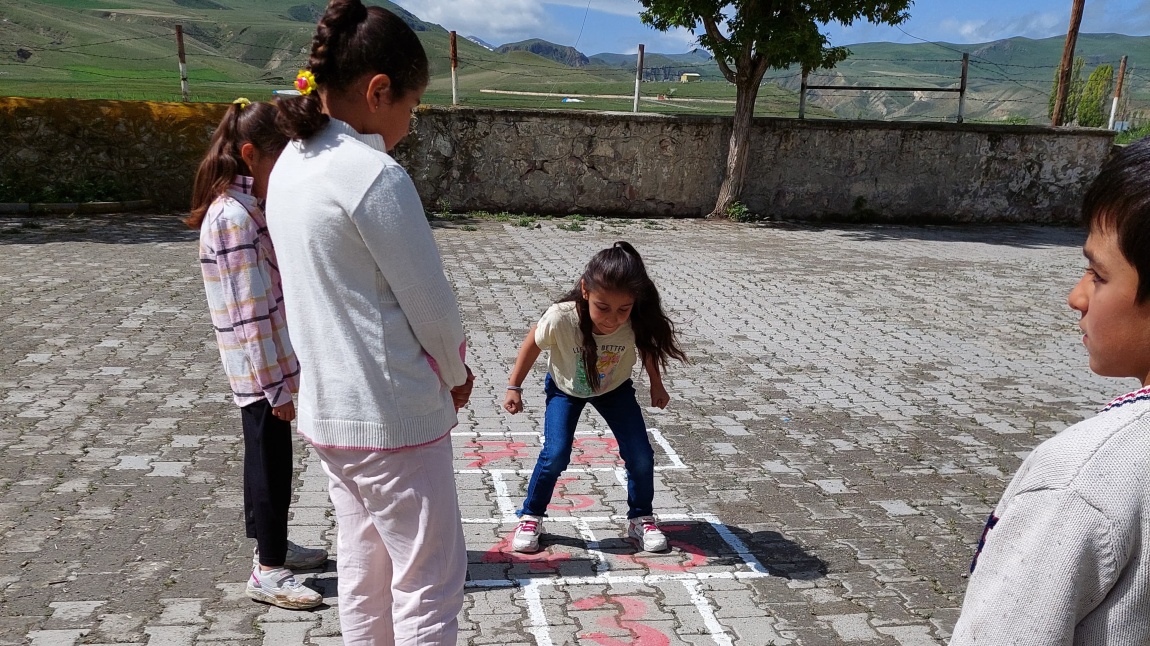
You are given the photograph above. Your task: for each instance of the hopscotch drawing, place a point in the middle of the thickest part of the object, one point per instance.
(586, 568)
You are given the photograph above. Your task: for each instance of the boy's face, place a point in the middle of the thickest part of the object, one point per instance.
(1116, 329)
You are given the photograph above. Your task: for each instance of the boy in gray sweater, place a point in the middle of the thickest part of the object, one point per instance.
(1065, 557)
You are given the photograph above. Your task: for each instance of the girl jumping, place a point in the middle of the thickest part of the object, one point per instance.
(612, 316)
(242, 283)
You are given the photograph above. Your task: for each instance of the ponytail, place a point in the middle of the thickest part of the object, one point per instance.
(352, 40)
(244, 122)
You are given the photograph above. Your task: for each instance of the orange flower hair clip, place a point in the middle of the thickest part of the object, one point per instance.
(305, 82)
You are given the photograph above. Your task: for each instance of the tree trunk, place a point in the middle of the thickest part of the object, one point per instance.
(732, 188)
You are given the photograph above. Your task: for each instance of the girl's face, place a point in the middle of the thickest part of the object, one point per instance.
(260, 164)
(395, 118)
(1116, 328)
(609, 310)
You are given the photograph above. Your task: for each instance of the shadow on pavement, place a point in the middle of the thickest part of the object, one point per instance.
(695, 546)
(125, 228)
(1012, 235)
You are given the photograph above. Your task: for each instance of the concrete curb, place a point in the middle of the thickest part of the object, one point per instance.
(72, 208)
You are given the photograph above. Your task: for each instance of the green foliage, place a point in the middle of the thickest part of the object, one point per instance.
(1073, 95)
(738, 212)
(1016, 120)
(1134, 134)
(746, 34)
(1092, 109)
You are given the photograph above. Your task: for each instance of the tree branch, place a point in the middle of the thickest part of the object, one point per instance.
(712, 29)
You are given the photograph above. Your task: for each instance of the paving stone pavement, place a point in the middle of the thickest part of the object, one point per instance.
(856, 401)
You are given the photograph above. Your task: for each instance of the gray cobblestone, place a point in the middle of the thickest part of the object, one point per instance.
(855, 402)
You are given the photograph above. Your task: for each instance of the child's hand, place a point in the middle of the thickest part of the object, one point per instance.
(286, 412)
(513, 403)
(659, 396)
(461, 394)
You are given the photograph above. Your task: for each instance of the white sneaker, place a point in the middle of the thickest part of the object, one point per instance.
(526, 538)
(298, 557)
(646, 531)
(279, 588)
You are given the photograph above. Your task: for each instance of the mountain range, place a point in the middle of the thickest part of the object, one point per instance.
(126, 49)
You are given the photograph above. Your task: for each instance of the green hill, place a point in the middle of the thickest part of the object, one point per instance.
(568, 56)
(127, 49)
(1009, 79)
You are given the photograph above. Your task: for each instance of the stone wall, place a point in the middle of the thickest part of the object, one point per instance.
(126, 149)
(607, 164)
(649, 165)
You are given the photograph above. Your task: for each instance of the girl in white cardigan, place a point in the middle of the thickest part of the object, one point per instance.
(376, 326)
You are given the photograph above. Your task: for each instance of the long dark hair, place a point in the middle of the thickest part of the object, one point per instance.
(352, 40)
(620, 268)
(243, 123)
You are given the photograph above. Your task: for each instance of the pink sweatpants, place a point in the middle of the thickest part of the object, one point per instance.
(402, 560)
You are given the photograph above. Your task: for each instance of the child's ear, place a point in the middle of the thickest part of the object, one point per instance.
(248, 154)
(583, 289)
(378, 91)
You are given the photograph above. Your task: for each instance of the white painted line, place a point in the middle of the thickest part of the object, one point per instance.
(707, 612)
(706, 518)
(503, 496)
(588, 534)
(537, 616)
(527, 472)
(736, 544)
(613, 579)
(676, 463)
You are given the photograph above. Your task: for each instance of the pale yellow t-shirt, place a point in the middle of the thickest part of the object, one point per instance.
(558, 333)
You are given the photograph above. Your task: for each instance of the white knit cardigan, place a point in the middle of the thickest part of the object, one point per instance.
(1065, 558)
(373, 318)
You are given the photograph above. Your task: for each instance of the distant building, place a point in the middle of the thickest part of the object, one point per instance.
(690, 77)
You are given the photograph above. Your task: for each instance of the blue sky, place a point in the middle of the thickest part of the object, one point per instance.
(596, 26)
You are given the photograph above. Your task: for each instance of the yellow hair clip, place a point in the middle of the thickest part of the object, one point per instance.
(305, 82)
(242, 102)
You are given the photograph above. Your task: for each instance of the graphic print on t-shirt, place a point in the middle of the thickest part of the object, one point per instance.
(607, 359)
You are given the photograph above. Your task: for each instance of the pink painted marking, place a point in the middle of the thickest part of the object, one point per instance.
(569, 501)
(628, 620)
(488, 451)
(596, 451)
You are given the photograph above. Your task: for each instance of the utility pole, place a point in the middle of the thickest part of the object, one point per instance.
(1117, 93)
(1067, 63)
(183, 63)
(454, 78)
(638, 78)
(962, 87)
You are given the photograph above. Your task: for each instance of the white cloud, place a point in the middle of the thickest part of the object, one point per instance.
(617, 7)
(493, 20)
(1031, 25)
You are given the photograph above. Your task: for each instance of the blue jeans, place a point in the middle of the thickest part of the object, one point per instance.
(622, 413)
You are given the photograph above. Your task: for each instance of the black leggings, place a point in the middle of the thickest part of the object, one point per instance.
(267, 481)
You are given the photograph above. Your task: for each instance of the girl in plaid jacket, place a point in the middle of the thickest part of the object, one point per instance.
(245, 298)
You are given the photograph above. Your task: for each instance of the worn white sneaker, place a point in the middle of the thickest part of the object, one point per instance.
(646, 531)
(526, 538)
(279, 588)
(298, 557)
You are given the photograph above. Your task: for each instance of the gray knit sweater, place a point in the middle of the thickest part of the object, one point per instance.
(1065, 559)
(373, 319)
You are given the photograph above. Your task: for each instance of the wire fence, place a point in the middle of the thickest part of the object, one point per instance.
(146, 67)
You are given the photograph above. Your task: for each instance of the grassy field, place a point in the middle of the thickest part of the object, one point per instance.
(126, 49)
